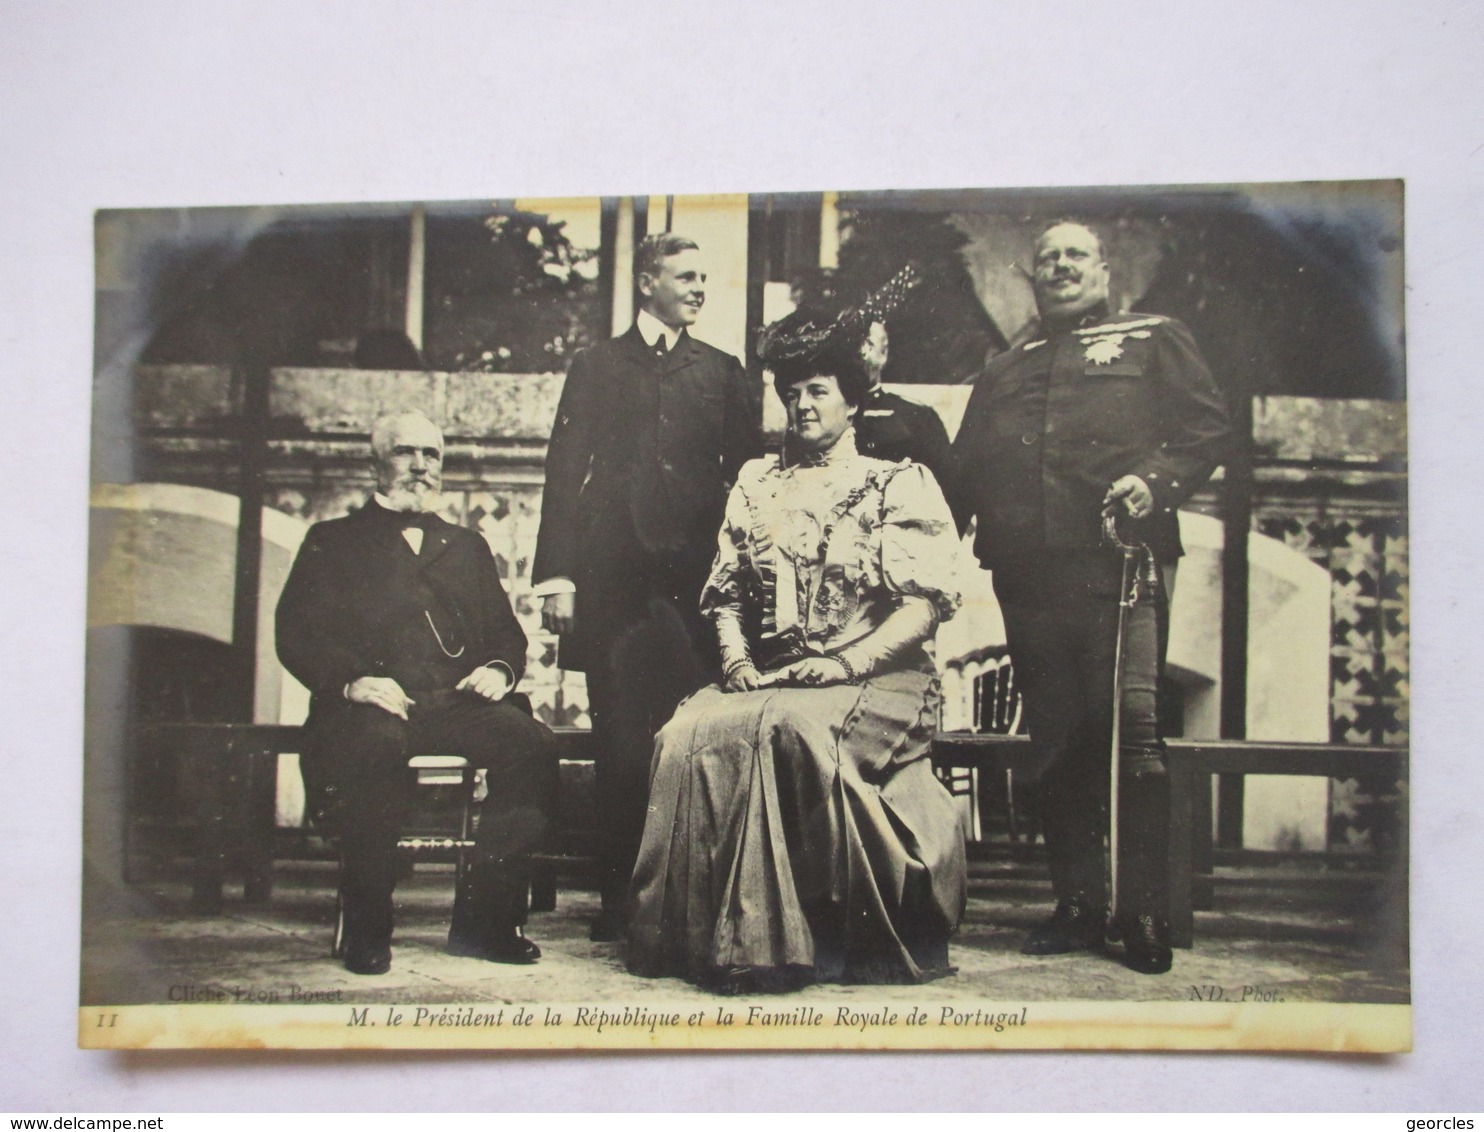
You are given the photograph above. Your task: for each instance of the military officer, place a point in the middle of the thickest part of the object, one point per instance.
(892, 427)
(1098, 413)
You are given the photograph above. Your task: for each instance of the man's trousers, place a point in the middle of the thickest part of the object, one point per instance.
(361, 791)
(1061, 619)
(633, 689)
(649, 647)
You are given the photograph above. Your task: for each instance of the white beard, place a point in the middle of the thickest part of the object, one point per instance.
(410, 499)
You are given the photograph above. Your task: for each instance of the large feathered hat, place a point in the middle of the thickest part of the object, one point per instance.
(806, 334)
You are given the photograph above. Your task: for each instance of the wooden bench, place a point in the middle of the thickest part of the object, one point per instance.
(229, 781)
(1191, 764)
(229, 784)
(230, 771)
(571, 850)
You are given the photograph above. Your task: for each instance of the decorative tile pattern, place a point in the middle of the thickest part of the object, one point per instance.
(290, 501)
(508, 516)
(1362, 544)
(1364, 547)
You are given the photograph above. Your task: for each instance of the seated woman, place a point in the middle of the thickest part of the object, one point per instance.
(796, 830)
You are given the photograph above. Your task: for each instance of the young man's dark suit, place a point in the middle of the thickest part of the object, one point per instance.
(643, 452)
(1049, 426)
(359, 602)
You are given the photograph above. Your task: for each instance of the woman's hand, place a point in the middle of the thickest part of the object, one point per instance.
(813, 672)
(741, 678)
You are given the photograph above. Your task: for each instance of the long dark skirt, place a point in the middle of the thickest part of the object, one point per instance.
(799, 830)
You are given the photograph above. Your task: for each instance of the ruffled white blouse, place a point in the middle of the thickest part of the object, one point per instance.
(812, 557)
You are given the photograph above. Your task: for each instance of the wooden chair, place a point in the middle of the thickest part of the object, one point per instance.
(996, 710)
(433, 772)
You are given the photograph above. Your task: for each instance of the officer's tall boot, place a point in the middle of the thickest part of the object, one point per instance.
(1143, 904)
(1142, 915)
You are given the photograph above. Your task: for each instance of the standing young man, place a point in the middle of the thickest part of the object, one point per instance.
(651, 429)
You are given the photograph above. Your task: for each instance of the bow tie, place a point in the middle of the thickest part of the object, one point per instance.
(406, 520)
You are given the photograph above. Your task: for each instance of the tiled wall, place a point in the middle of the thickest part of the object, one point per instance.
(1363, 545)
(507, 513)
(1351, 522)
(509, 521)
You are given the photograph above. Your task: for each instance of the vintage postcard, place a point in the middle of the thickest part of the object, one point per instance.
(675, 622)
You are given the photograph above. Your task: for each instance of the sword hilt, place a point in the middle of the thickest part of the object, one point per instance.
(1112, 537)
(1145, 577)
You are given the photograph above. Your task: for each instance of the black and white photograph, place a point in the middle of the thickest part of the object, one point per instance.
(918, 619)
(773, 779)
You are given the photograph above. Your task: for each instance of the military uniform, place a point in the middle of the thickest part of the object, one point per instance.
(1049, 426)
(892, 427)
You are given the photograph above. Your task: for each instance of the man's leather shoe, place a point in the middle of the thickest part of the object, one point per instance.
(368, 959)
(608, 929)
(1146, 944)
(509, 948)
(1076, 925)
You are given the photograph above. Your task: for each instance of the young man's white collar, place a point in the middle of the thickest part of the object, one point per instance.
(650, 329)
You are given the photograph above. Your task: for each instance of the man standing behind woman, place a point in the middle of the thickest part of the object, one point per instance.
(796, 832)
(650, 433)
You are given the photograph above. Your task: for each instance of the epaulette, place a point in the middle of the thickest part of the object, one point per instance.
(1119, 327)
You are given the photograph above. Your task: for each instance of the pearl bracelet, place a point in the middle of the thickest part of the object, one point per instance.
(851, 676)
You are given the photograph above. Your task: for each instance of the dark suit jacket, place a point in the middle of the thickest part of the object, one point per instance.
(358, 603)
(642, 456)
(1053, 422)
